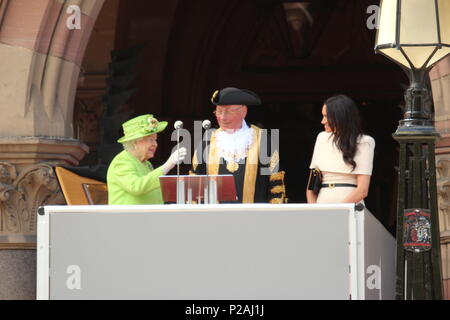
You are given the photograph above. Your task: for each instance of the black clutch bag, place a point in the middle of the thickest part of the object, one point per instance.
(315, 180)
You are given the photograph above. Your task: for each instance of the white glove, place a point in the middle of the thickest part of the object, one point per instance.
(176, 157)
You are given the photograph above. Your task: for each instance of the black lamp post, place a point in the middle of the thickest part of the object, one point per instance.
(416, 35)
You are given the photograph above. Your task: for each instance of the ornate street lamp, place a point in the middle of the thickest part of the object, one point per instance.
(416, 35)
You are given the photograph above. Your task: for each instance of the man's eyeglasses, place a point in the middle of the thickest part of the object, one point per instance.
(224, 112)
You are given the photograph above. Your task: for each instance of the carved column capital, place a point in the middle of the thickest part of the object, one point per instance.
(22, 192)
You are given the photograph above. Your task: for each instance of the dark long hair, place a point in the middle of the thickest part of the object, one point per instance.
(344, 120)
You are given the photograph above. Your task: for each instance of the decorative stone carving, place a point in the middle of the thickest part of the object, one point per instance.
(27, 181)
(21, 194)
(87, 115)
(443, 189)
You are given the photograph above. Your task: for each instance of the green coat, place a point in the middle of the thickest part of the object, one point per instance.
(133, 182)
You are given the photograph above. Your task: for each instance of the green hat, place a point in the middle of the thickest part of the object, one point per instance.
(141, 126)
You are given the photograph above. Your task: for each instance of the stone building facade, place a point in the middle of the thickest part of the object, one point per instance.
(440, 80)
(41, 62)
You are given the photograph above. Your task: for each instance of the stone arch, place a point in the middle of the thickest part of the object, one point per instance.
(44, 58)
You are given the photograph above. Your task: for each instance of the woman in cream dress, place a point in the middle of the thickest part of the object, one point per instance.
(343, 154)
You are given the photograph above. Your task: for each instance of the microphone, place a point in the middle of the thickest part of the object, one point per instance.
(178, 124)
(206, 124)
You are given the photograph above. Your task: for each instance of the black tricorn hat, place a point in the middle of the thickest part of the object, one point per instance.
(235, 96)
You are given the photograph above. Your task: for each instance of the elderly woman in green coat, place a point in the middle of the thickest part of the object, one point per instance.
(131, 178)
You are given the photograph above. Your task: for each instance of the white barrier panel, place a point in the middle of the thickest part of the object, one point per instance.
(235, 251)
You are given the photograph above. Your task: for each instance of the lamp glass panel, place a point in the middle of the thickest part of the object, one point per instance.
(439, 55)
(387, 22)
(396, 55)
(418, 55)
(418, 24)
(444, 20)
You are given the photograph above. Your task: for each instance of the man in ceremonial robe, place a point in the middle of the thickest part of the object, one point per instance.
(241, 150)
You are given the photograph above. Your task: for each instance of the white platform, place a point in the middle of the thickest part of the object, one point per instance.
(236, 251)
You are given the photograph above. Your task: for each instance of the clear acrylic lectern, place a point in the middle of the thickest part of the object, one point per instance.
(189, 189)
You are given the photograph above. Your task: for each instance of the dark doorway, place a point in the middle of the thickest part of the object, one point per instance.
(293, 54)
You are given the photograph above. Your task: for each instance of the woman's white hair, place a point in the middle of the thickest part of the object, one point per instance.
(130, 146)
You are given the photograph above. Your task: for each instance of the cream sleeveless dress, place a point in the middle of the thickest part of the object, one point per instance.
(328, 158)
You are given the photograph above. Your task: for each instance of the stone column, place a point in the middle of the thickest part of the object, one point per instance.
(42, 44)
(440, 81)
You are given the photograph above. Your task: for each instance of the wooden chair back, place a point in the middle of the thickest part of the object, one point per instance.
(78, 190)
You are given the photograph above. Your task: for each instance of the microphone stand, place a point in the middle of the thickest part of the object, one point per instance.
(209, 198)
(206, 200)
(178, 150)
(180, 184)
